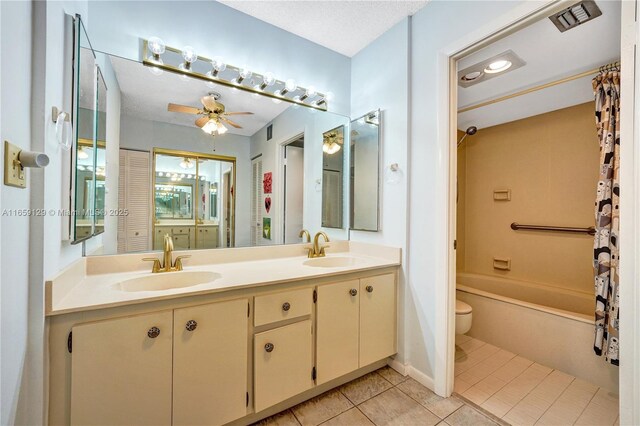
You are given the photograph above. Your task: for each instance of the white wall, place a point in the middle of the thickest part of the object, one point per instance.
(145, 135)
(32, 249)
(291, 123)
(379, 79)
(217, 30)
(15, 89)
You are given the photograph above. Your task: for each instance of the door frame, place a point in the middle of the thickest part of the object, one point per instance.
(504, 25)
(279, 188)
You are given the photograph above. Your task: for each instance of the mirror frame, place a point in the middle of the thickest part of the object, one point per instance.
(99, 144)
(352, 180)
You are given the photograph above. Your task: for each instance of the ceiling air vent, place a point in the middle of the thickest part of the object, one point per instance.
(575, 15)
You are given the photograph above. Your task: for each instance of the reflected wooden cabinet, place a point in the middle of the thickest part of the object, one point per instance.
(121, 370)
(283, 363)
(186, 237)
(187, 366)
(356, 325)
(207, 237)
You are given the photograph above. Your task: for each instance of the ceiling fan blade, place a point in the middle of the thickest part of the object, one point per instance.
(226, 120)
(183, 108)
(202, 121)
(209, 102)
(238, 113)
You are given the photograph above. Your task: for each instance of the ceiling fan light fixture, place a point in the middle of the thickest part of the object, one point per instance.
(187, 163)
(222, 129)
(210, 126)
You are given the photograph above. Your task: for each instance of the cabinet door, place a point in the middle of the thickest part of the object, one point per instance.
(210, 363)
(337, 330)
(283, 363)
(377, 318)
(181, 242)
(121, 371)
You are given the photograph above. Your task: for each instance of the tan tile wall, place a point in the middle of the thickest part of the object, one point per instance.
(550, 164)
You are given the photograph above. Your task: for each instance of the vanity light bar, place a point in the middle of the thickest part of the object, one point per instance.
(153, 60)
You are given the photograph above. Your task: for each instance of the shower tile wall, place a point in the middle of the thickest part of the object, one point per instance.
(550, 164)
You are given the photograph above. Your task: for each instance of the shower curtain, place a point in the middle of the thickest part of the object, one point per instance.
(606, 87)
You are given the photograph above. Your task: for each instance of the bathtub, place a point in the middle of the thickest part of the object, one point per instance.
(551, 326)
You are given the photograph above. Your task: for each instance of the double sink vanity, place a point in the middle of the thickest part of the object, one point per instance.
(223, 336)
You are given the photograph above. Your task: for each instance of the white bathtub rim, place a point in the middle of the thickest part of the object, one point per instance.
(574, 316)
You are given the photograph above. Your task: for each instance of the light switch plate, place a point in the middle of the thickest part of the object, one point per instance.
(14, 174)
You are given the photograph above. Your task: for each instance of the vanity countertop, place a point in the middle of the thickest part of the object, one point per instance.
(95, 282)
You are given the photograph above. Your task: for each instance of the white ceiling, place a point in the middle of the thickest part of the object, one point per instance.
(146, 96)
(343, 26)
(549, 55)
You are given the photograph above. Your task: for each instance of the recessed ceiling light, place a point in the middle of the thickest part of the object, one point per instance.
(472, 76)
(498, 66)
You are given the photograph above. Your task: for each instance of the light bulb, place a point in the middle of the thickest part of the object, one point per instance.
(268, 79)
(290, 85)
(245, 73)
(498, 66)
(189, 176)
(218, 64)
(189, 54)
(82, 154)
(156, 45)
(330, 96)
(210, 127)
(311, 91)
(222, 129)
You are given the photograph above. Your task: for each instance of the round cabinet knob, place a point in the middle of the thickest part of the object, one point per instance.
(353, 292)
(191, 325)
(153, 332)
(369, 289)
(286, 306)
(269, 347)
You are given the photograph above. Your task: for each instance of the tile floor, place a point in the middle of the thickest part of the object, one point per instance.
(383, 397)
(522, 392)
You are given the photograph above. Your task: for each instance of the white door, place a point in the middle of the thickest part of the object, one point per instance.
(293, 193)
(256, 201)
(134, 228)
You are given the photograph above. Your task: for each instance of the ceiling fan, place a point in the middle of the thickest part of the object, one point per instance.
(213, 114)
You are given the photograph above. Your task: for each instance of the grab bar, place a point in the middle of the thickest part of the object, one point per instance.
(590, 230)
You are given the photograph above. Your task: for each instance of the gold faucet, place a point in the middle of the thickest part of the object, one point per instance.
(316, 250)
(168, 265)
(304, 233)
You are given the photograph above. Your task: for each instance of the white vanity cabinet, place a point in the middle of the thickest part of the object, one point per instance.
(136, 369)
(356, 325)
(121, 370)
(210, 363)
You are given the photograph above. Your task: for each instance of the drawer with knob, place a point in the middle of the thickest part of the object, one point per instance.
(281, 306)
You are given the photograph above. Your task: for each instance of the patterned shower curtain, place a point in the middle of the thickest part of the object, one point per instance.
(606, 87)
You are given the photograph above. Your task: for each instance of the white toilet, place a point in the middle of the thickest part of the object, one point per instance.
(463, 317)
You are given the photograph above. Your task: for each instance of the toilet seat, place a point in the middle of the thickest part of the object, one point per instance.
(462, 308)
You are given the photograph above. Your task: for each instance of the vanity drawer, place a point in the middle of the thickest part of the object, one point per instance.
(281, 306)
(183, 230)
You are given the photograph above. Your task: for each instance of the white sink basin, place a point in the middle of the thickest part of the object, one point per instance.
(333, 262)
(168, 280)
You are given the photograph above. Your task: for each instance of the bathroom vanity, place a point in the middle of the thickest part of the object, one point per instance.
(238, 335)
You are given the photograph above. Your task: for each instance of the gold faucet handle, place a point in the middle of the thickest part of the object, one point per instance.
(178, 262)
(156, 263)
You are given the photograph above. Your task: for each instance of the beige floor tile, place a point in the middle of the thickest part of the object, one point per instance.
(486, 367)
(471, 345)
(365, 387)
(476, 395)
(467, 361)
(491, 384)
(461, 338)
(391, 375)
(321, 408)
(519, 419)
(352, 417)
(468, 416)
(597, 415)
(393, 407)
(438, 405)
(459, 386)
(512, 369)
(496, 406)
(606, 400)
(285, 418)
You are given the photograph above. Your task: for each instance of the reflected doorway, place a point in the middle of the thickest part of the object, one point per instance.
(293, 172)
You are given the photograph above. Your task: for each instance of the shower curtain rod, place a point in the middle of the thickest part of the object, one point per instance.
(614, 66)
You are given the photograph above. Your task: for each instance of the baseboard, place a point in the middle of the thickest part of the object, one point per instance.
(420, 377)
(398, 366)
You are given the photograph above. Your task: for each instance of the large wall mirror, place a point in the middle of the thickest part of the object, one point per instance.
(364, 170)
(215, 167)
